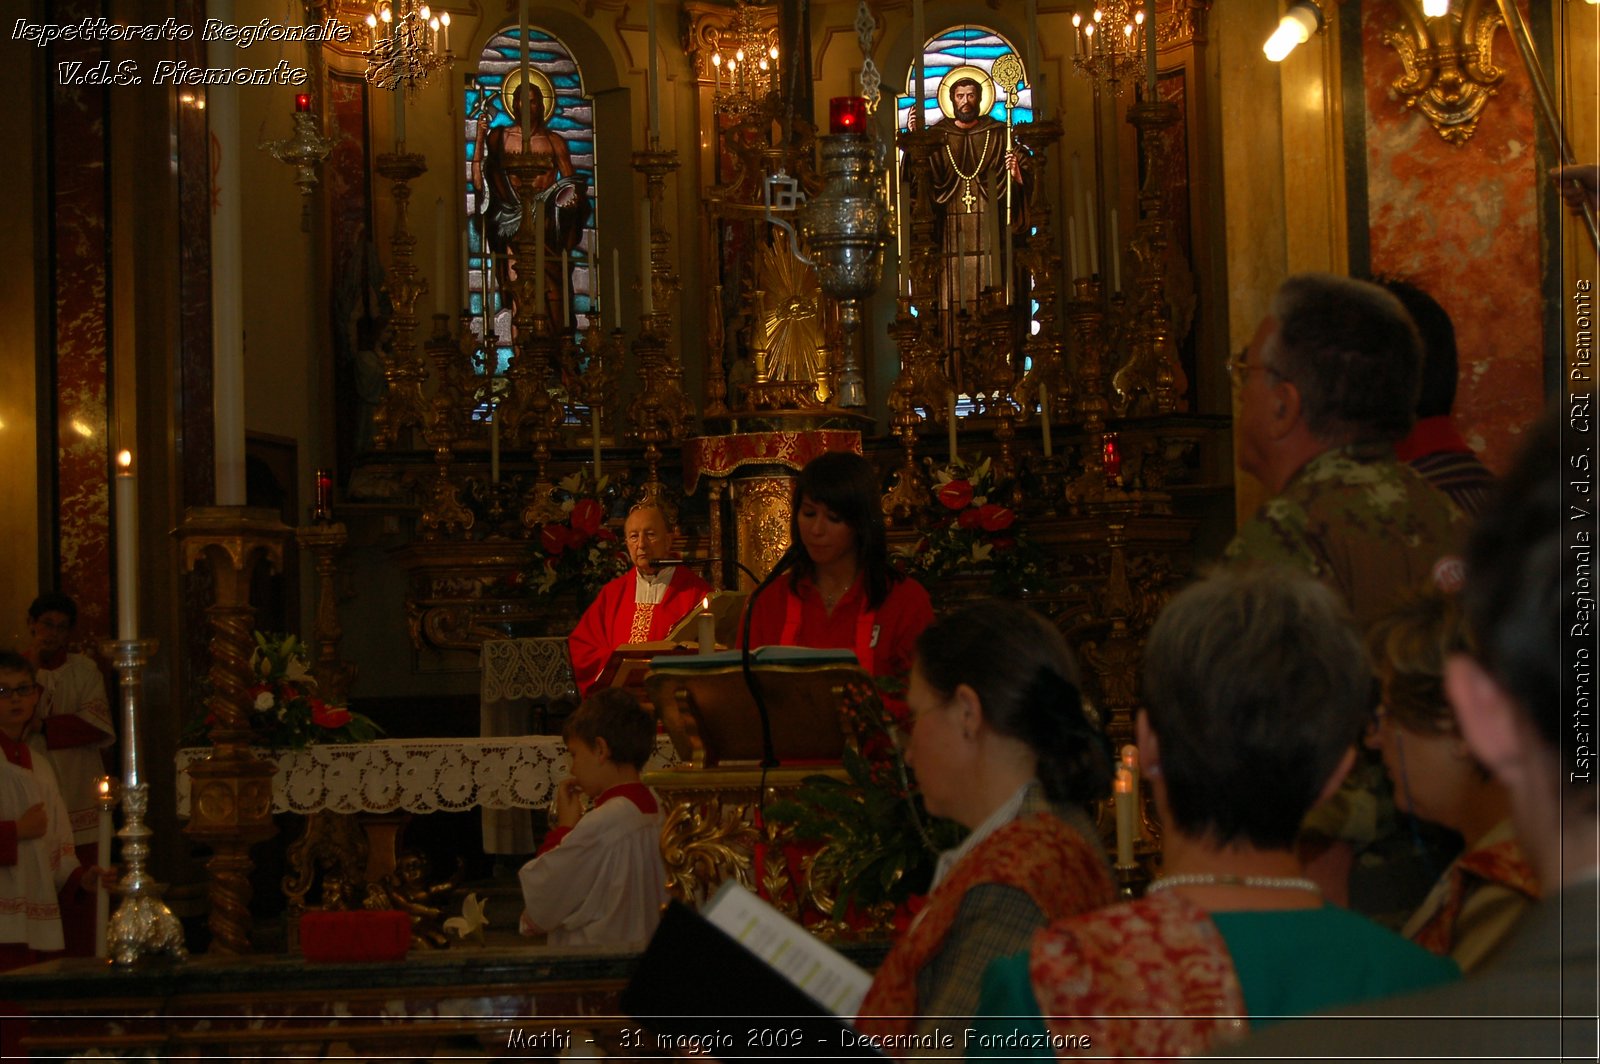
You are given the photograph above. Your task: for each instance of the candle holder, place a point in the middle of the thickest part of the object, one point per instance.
(334, 676)
(142, 926)
(403, 406)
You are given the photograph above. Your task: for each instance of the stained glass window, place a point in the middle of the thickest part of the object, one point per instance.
(964, 46)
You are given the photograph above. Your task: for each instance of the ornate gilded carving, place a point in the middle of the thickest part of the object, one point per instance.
(1450, 71)
(333, 675)
(403, 406)
(761, 508)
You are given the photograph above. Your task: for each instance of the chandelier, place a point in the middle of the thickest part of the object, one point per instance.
(1109, 46)
(745, 64)
(409, 42)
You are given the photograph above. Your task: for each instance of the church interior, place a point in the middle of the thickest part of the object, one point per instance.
(301, 342)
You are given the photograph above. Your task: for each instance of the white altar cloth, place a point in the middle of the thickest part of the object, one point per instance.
(417, 775)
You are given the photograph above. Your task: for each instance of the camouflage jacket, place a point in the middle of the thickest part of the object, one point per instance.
(1360, 521)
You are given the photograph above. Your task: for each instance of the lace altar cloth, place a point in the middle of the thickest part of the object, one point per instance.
(517, 669)
(416, 775)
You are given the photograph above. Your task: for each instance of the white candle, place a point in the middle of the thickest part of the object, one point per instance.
(1044, 417)
(1034, 62)
(1124, 798)
(919, 41)
(463, 279)
(102, 859)
(952, 421)
(594, 431)
(1072, 247)
(127, 548)
(566, 292)
(705, 624)
(441, 257)
(1116, 256)
(1150, 48)
(646, 274)
(525, 84)
(494, 442)
(399, 119)
(616, 288)
(655, 72)
(1094, 243)
(1130, 761)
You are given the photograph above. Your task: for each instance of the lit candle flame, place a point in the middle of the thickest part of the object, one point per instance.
(125, 459)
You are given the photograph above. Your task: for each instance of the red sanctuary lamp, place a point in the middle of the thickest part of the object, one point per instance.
(847, 114)
(1111, 457)
(302, 103)
(322, 513)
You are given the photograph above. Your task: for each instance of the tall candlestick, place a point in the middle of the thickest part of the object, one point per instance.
(594, 431)
(952, 420)
(919, 42)
(399, 119)
(655, 72)
(1034, 62)
(1150, 48)
(525, 84)
(1116, 256)
(127, 548)
(646, 272)
(1072, 247)
(494, 442)
(102, 860)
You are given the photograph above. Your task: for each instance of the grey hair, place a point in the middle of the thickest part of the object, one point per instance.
(1352, 351)
(1255, 683)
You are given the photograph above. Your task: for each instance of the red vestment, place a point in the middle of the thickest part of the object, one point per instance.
(608, 623)
(885, 642)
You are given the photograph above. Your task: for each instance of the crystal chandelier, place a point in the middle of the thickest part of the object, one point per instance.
(745, 65)
(409, 42)
(1109, 46)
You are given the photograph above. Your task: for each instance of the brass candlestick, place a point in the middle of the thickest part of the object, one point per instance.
(403, 406)
(324, 541)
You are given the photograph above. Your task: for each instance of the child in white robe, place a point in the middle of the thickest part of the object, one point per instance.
(37, 859)
(599, 877)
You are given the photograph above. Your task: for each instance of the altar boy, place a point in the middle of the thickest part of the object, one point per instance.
(599, 877)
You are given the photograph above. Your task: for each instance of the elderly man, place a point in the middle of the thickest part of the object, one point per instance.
(1326, 387)
(639, 606)
(1516, 698)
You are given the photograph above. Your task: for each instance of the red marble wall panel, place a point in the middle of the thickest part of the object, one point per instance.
(197, 448)
(354, 252)
(80, 311)
(1461, 221)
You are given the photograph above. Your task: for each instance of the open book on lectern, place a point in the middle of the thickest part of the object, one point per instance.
(706, 706)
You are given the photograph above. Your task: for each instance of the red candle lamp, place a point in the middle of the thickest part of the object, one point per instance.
(302, 103)
(847, 114)
(324, 507)
(1111, 457)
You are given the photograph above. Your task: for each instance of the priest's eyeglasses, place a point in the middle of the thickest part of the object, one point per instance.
(21, 690)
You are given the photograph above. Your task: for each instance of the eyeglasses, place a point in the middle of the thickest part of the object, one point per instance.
(21, 690)
(1239, 368)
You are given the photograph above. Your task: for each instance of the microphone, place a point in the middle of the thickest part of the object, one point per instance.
(706, 563)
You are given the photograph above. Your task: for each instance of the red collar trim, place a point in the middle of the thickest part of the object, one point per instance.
(637, 793)
(1431, 435)
(16, 752)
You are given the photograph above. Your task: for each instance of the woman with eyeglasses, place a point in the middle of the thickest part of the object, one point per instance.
(1485, 891)
(1002, 743)
(1256, 691)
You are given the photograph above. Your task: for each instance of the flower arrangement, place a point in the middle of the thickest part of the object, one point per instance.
(880, 843)
(577, 554)
(966, 531)
(285, 712)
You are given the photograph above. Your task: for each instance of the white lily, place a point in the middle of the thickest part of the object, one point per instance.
(471, 922)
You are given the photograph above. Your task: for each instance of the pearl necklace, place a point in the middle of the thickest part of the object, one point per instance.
(1223, 879)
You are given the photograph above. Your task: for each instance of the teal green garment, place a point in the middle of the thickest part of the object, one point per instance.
(1290, 962)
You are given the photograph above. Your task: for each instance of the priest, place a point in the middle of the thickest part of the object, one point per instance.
(639, 606)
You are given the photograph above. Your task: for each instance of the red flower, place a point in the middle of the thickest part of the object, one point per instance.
(605, 535)
(326, 716)
(969, 518)
(587, 514)
(956, 494)
(994, 517)
(557, 538)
